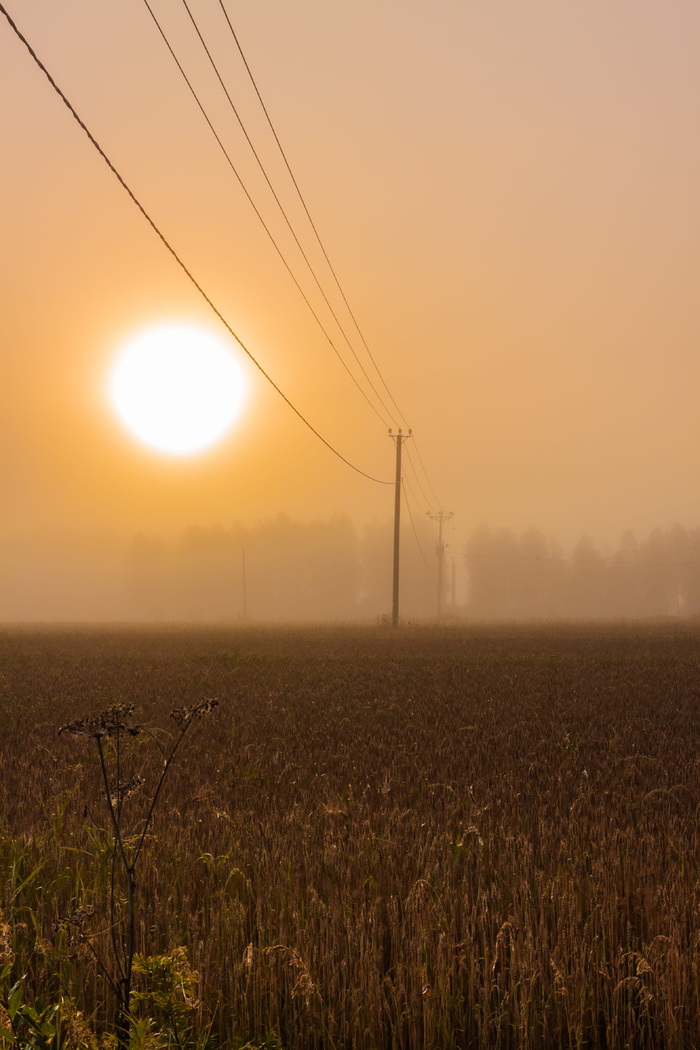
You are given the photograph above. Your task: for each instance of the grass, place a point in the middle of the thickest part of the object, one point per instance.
(482, 837)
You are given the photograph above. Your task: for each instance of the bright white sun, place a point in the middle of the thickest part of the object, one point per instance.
(177, 388)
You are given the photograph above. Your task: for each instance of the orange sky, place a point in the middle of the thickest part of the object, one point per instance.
(508, 192)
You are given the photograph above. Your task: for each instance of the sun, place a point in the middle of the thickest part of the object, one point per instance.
(177, 388)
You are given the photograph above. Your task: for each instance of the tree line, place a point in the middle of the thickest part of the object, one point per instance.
(286, 570)
(529, 577)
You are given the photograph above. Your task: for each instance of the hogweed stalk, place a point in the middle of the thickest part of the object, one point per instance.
(113, 728)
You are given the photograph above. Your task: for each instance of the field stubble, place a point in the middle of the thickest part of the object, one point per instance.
(434, 838)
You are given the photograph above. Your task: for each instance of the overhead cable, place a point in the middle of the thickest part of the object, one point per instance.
(308, 214)
(174, 254)
(257, 210)
(427, 504)
(409, 486)
(282, 209)
(427, 477)
(318, 237)
(413, 526)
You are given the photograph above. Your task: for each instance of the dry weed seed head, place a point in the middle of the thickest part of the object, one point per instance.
(75, 920)
(182, 716)
(75, 943)
(125, 791)
(114, 720)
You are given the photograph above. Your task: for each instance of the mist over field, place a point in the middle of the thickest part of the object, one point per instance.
(508, 195)
(283, 570)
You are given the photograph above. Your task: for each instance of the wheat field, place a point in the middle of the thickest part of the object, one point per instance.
(431, 838)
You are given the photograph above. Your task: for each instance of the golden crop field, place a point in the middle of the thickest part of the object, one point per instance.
(431, 838)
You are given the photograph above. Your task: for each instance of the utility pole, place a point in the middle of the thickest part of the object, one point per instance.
(244, 595)
(399, 439)
(441, 517)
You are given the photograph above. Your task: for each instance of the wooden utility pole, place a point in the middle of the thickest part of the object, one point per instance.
(244, 595)
(399, 439)
(440, 518)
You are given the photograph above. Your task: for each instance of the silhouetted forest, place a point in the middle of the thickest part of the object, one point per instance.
(529, 577)
(284, 570)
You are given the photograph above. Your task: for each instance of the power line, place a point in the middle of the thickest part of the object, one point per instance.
(418, 481)
(425, 472)
(413, 525)
(408, 484)
(427, 502)
(174, 254)
(410, 489)
(305, 257)
(321, 245)
(257, 211)
(308, 214)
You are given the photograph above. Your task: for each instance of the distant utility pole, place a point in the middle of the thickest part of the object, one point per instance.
(244, 595)
(441, 517)
(399, 439)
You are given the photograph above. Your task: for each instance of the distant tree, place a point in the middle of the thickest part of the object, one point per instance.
(492, 558)
(588, 582)
(302, 570)
(692, 573)
(539, 576)
(375, 569)
(514, 578)
(624, 580)
(337, 564)
(418, 580)
(529, 578)
(210, 574)
(670, 572)
(150, 572)
(293, 570)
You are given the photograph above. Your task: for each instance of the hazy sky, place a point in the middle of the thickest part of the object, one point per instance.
(508, 192)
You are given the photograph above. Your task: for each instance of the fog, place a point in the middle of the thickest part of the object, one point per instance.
(508, 194)
(285, 571)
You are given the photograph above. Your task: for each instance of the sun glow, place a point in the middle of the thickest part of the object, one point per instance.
(177, 388)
